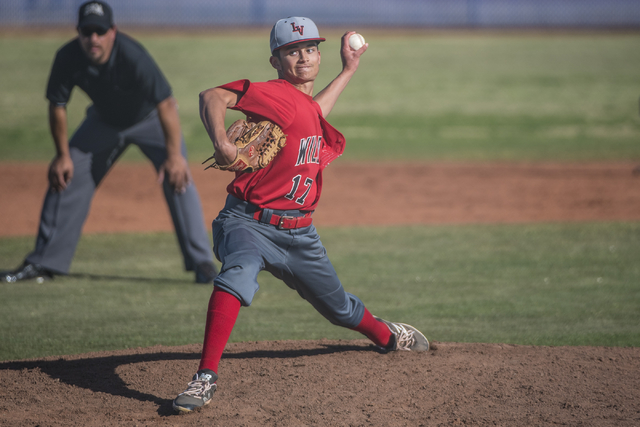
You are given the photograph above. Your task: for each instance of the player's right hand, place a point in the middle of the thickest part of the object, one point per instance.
(225, 151)
(60, 172)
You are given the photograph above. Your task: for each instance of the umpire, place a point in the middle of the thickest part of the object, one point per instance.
(132, 104)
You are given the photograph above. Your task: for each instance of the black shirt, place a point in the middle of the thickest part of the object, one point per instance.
(124, 90)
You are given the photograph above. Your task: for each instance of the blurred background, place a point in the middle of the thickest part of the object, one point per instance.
(477, 79)
(397, 13)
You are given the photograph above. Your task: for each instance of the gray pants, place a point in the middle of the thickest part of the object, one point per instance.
(94, 148)
(297, 257)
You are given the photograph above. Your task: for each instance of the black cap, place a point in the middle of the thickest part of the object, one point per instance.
(95, 14)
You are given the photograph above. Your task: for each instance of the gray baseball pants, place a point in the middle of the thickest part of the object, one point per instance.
(94, 148)
(246, 246)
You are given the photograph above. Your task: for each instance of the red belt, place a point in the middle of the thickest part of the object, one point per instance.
(284, 222)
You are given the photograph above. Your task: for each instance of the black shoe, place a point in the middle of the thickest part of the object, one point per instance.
(198, 393)
(206, 272)
(27, 271)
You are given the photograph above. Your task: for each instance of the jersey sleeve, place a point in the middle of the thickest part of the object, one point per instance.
(265, 101)
(61, 82)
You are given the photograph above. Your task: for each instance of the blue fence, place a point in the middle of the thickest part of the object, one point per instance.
(391, 13)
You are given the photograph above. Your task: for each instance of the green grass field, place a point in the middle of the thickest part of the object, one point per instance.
(560, 284)
(430, 97)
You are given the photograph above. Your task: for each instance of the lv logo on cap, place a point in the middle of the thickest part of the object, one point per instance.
(297, 28)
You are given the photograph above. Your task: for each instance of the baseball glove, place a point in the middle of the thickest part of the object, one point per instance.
(257, 143)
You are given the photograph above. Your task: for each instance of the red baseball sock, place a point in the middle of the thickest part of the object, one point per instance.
(221, 317)
(374, 329)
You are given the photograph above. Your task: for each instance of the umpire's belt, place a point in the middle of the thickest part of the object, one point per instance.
(286, 221)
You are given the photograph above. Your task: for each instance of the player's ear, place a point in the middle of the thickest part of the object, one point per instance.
(275, 62)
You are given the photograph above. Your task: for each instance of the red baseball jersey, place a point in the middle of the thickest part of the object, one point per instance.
(293, 180)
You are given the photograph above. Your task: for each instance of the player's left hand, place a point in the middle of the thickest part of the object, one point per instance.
(350, 58)
(177, 171)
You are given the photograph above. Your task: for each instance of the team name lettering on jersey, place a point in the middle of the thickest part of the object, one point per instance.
(309, 151)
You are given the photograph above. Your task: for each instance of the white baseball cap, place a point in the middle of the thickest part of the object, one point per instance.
(292, 30)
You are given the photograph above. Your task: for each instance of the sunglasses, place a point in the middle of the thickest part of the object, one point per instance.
(88, 31)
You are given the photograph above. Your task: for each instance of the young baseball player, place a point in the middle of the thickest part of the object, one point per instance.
(132, 104)
(266, 223)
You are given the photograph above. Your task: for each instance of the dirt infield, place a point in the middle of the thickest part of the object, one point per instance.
(359, 194)
(332, 383)
(343, 383)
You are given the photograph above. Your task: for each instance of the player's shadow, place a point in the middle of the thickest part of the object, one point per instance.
(99, 375)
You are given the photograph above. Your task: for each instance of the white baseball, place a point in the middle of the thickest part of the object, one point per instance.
(356, 41)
